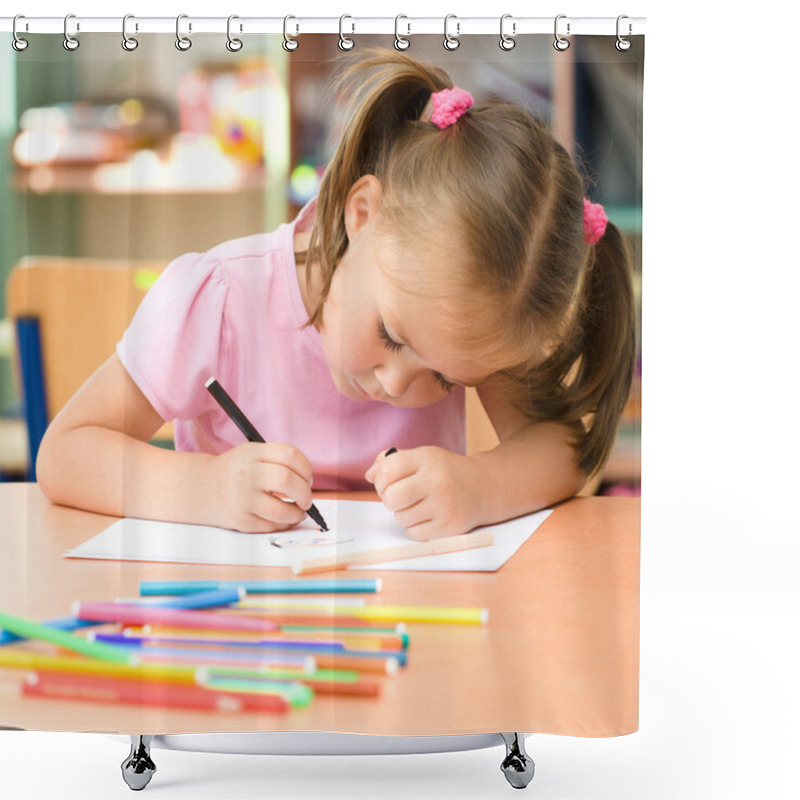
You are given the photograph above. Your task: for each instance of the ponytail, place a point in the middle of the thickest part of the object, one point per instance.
(584, 384)
(608, 351)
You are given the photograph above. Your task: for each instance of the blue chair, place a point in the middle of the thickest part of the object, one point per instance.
(68, 315)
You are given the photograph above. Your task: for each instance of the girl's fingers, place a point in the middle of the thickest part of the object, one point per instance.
(272, 509)
(395, 468)
(417, 520)
(379, 459)
(288, 456)
(402, 494)
(274, 478)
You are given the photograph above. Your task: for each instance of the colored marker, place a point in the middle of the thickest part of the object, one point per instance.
(17, 659)
(251, 434)
(339, 682)
(149, 615)
(202, 659)
(299, 695)
(62, 624)
(433, 614)
(310, 604)
(319, 675)
(447, 544)
(398, 631)
(387, 665)
(273, 644)
(289, 640)
(223, 596)
(178, 651)
(35, 630)
(292, 586)
(119, 690)
(368, 616)
(288, 616)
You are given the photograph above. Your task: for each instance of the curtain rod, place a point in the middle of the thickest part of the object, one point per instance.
(452, 25)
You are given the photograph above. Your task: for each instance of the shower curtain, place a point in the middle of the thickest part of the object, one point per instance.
(129, 150)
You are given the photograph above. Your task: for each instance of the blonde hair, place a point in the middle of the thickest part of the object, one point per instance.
(555, 316)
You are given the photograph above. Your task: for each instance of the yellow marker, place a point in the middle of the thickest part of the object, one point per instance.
(462, 616)
(18, 659)
(370, 615)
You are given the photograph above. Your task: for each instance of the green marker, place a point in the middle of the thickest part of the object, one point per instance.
(328, 675)
(34, 630)
(297, 694)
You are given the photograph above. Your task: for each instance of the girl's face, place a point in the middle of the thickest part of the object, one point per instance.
(384, 337)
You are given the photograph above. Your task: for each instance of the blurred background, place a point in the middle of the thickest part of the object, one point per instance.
(137, 157)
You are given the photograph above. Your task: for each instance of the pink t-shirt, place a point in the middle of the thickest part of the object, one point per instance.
(236, 313)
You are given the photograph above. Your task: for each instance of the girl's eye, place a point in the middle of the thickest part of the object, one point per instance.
(394, 346)
(390, 343)
(443, 382)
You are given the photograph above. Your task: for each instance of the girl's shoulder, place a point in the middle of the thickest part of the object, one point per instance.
(255, 248)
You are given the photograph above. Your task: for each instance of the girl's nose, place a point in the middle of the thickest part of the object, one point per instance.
(395, 376)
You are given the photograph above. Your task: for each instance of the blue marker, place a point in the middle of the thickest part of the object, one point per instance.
(296, 586)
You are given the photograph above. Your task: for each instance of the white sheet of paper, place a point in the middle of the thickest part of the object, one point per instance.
(356, 526)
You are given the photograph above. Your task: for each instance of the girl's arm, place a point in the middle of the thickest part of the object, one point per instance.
(533, 467)
(95, 455)
(434, 492)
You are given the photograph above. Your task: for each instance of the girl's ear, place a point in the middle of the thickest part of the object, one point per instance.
(361, 205)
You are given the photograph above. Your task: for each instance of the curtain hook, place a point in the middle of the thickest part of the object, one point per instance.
(183, 43)
(234, 45)
(129, 43)
(18, 43)
(451, 42)
(400, 42)
(344, 42)
(507, 42)
(70, 42)
(560, 42)
(623, 44)
(289, 43)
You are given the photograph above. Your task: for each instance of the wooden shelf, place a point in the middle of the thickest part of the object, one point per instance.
(83, 180)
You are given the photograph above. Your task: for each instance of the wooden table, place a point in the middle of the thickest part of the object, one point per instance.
(560, 653)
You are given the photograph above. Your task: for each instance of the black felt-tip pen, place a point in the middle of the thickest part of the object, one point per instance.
(251, 434)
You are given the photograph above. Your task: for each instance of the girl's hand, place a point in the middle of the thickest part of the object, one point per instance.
(431, 491)
(245, 483)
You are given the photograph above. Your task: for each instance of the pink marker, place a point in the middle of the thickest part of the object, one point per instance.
(170, 617)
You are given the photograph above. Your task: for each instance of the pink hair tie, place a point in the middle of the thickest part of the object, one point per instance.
(449, 105)
(594, 222)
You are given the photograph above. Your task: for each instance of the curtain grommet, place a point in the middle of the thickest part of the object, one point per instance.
(18, 43)
(507, 42)
(183, 43)
(622, 44)
(451, 42)
(290, 44)
(345, 43)
(233, 44)
(71, 43)
(560, 43)
(401, 42)
(129, 43)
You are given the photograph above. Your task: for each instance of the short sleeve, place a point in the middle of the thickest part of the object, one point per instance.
(176, 339)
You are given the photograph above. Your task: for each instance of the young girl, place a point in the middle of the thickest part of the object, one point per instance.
(450, 246)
